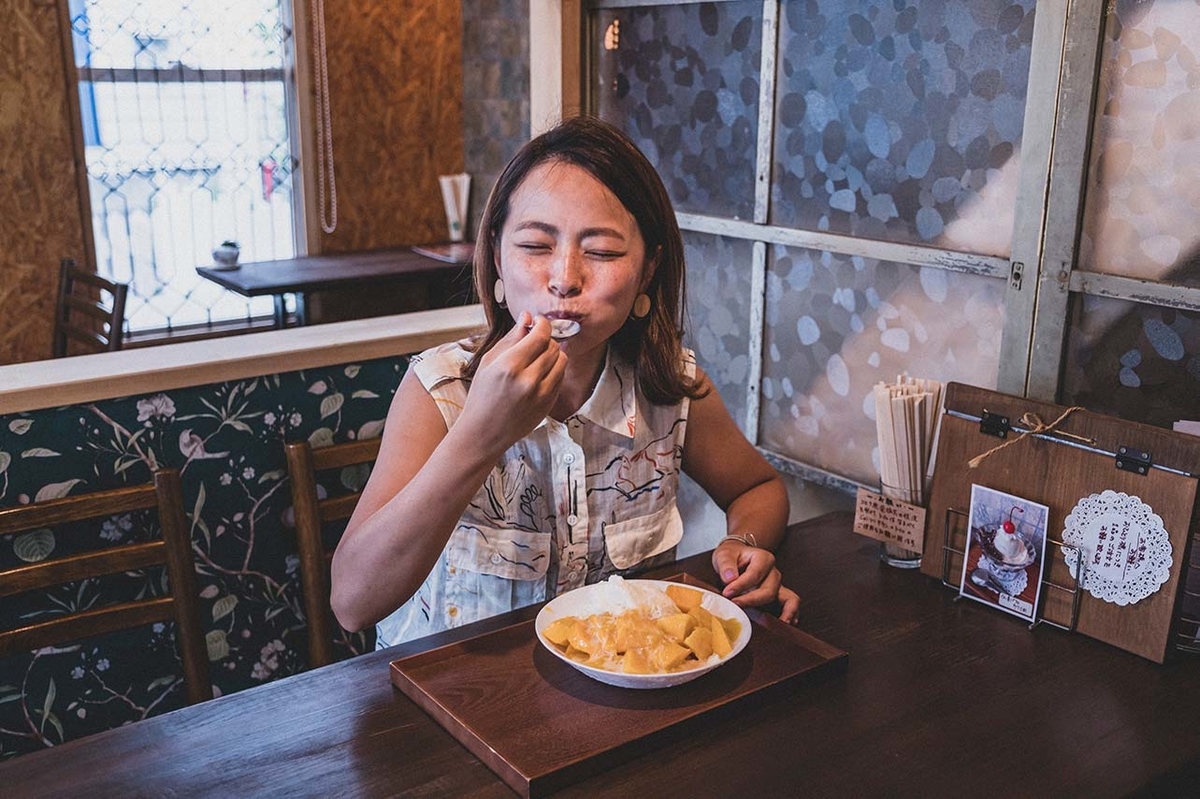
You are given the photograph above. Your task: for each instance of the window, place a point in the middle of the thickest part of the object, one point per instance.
(185, 108)
(1000, 194)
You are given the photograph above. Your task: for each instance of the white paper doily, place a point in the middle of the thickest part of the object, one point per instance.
(1127, 551)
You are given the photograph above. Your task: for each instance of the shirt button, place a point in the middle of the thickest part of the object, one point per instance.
(496, 558)
(572, 520)
(569, 458)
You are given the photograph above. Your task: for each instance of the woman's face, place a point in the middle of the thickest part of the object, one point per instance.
(569, 249)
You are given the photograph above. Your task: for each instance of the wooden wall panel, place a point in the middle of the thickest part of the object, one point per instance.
(40, 218)
(395, 79)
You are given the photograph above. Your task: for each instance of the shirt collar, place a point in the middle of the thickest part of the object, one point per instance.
(613, 403)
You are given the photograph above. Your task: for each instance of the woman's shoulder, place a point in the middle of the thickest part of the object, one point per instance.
(445, 362)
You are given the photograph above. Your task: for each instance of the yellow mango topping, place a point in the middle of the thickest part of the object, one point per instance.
(720, 639)
(637, 642)
(635, 662)
(703, 617)
(559, 631)
(667, 655)
(700, 642)
(732, 628)
(684, 598)
(677, 626)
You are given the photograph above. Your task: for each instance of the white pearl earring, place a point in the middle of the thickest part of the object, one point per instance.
(498, 291)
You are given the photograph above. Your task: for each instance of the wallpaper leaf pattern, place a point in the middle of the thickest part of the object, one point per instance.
(227, 441)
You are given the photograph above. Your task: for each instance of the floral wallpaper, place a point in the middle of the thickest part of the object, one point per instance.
(227, 441)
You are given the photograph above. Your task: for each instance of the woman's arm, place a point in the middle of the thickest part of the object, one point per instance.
(425, 475)
(728, 467)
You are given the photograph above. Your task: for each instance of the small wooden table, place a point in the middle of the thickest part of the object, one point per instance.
(941, 698)
(306, 274)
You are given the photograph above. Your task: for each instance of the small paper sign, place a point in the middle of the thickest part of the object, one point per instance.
(889, 520)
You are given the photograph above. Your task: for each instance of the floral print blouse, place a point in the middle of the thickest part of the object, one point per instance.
(569, 504)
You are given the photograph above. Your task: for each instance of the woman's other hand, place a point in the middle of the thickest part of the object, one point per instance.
(751, 578)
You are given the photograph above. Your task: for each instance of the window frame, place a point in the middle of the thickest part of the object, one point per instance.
(295, 75)
(1041, 272)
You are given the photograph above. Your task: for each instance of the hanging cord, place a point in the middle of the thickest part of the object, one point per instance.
(325, 168)
(1034, 426)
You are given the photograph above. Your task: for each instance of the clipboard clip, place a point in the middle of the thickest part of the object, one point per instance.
(1131, 459)
(993, 424)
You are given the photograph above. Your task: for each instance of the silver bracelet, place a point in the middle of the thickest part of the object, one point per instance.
(748, 539)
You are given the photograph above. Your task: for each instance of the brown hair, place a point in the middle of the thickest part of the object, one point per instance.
(652, 344)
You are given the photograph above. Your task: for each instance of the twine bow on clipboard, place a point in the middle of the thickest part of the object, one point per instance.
(1034, 426)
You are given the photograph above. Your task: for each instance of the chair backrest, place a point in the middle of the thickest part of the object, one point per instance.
(174, 551)
(84, 315)
(304, 463)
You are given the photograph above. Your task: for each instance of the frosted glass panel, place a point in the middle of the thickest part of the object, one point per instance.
(1138, 362)
(837, 325)
(683, 82)
(901, 121)
(1142, 209)
(719, 314)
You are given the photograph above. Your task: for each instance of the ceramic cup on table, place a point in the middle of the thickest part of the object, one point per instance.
(225, 256)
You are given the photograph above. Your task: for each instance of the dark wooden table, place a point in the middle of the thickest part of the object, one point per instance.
(306, 274)
(941, 698)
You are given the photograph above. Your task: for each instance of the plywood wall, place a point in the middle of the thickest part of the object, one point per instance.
(395, 79)
(40, 217)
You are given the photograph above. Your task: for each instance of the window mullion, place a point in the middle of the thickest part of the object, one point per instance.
(1029, 215)
(898, 252)
(1068, 167)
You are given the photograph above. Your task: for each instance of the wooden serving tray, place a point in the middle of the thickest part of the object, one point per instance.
(541, 725)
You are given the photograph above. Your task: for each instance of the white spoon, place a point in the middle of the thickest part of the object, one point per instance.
(561, 328)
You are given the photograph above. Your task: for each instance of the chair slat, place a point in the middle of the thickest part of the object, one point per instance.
(339, 455)
(89, 307)
(87, 564)
(85, 624)
(338, 508)
(77, 507)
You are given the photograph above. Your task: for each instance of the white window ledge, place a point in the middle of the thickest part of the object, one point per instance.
(88, 378)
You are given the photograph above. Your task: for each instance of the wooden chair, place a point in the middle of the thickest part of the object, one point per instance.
(84, 315)
(174, 551)
(303, 463)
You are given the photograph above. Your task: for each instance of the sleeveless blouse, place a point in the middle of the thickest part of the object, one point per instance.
(570, 504)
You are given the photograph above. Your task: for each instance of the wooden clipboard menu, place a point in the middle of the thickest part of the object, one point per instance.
(1058, 468)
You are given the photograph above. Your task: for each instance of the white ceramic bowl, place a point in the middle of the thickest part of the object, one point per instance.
(591, 599)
